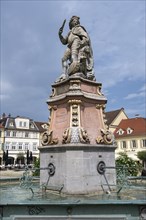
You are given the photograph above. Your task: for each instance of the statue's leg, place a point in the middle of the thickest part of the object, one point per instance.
(65, 58)
(75, 50)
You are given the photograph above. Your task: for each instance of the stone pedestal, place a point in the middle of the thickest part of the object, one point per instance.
(76, 168)
(78, 139)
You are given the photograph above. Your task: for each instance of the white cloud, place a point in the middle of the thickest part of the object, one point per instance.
(32, 52)
(143, 88)
(4, 97)
(140, 93)
(140, 110)
(6, 90)
(70, 6)
(6, 86)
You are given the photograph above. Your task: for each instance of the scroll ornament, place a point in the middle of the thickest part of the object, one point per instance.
(106, 137)
(83, 135)
(47, 138)
(66, 136)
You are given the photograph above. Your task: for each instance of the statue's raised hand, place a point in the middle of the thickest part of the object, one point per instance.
(61, 29)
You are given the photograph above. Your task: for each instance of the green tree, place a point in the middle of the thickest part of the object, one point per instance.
(127, 166)
(142, 156)
(37, 166)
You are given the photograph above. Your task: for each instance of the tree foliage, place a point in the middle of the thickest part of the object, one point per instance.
(37, 166)
(127, 166)
(142, 155)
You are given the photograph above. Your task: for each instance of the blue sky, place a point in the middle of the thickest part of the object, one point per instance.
(31, 52)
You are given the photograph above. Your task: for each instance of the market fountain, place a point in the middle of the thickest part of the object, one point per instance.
(77, 156)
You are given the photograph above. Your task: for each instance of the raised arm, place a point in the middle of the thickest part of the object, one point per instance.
(62, 39)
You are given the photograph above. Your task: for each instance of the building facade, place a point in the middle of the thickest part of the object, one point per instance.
(20, 139)
(21, 135)
(114, 118)
(130, 136)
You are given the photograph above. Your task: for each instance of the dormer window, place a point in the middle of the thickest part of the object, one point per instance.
(44, 126)
(20, 123)
(32, 125)
(11, 124)
(120, 132)
(129, 130)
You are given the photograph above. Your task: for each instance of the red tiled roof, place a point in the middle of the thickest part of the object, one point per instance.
(138, 125)
(1, 126)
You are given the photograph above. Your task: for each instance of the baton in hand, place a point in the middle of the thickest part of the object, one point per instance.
(61, 29)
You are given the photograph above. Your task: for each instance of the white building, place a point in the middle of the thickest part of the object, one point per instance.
(20, 135)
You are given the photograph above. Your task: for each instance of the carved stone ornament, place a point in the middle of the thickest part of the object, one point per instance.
(106, 137)
(99, 91)
(83, 135)
(74, 101)
(47, 138)
(98, 106)
(53, 92)
(75, 135)
(66, 136)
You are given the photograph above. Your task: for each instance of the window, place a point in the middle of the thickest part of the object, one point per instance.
(120, 131)
(13, 133)
(34, 135)
(20, 134)
(20, 124)
(133, 144)
(24, 124)
(44, 126)
(8, 133)
(26, 146)
(7, 145)
(123, 145)
(129, 130)
(26, 134)
(13, 145)
(11, 124)
(32, 125)
(116, 144)
(34, 146)
(143, 143)
(20, 146)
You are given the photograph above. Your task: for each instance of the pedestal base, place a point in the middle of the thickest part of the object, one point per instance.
(76, 167)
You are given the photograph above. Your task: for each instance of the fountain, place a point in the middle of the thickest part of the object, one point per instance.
(77, 156)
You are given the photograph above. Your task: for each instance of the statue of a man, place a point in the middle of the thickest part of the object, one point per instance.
(78, 57)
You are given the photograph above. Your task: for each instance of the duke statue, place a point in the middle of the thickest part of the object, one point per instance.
(78, 56)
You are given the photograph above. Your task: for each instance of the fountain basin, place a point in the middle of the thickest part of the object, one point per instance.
(18, 203)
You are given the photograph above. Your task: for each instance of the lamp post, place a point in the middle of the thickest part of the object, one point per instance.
(29, 156)
(5, 157)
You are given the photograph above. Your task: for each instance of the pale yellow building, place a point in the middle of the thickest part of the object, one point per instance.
(114, 118)
(130, 136)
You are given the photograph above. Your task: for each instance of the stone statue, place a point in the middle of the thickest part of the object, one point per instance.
(78, 56)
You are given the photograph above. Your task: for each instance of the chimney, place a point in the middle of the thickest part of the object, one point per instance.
(3, 115)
